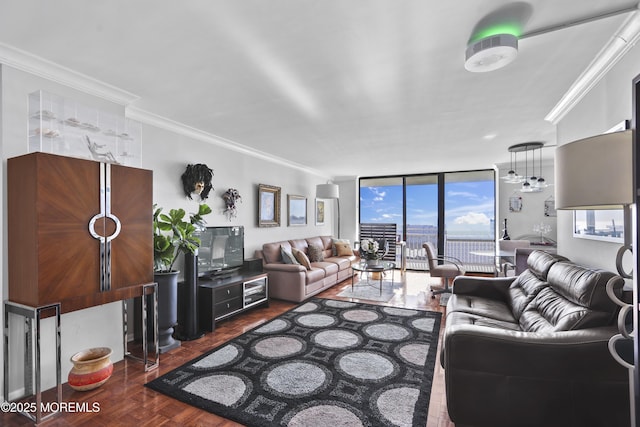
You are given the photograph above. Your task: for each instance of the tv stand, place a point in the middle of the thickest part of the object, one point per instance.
(220, 297)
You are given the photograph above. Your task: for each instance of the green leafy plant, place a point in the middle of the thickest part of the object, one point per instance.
(173, 235)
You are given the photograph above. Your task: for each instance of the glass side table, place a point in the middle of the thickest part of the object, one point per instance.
(375, 266)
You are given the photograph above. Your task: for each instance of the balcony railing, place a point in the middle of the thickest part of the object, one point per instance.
(465, 249)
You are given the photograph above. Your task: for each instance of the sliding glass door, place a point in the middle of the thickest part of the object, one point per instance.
(455, 211)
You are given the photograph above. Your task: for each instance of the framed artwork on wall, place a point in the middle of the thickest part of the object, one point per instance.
(268, 206)
(550, 207)
(297, 210)
(515, 204)
(319, 212)
(605, 225)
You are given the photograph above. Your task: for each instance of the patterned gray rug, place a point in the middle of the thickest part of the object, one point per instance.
(323, 363)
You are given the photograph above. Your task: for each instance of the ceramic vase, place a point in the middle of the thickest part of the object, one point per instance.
(91, 368)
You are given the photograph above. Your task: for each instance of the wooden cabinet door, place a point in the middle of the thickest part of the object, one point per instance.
(132, 250)
(51, 254)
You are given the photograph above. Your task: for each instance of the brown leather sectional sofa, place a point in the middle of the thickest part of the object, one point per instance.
(532, 350)
(295, 282)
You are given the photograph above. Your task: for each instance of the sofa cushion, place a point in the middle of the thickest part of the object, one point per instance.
(314, 275)
(300, 244)
(324, 242)
(462, 318)
(302, 258)
(271, 251)
(540, 262)
(584, 286)
(316, 253)
(328, 267)
(522, 291)
(550, 312)
(343, 263)
(479, 306)
(576, 298)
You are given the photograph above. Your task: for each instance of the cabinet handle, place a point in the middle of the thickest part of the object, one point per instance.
(228, 291)
(228, 305)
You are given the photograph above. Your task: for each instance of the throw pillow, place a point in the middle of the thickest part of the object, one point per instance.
(335, 251)
(343, 249)
(316, 254)
(287, 256)
(302, 258)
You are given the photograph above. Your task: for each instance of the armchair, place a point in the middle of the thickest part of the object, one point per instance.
(445, 267)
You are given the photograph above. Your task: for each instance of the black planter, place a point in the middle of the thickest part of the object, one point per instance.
(188, 328)
(167, 309)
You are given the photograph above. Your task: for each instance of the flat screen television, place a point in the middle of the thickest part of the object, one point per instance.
(221, 250)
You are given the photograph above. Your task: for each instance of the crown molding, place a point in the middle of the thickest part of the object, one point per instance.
(155, 120)
(618, 45)
(44, 68)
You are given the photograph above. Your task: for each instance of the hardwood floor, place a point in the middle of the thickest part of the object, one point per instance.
(124, 400)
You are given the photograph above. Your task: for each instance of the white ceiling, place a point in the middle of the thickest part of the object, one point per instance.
(368, 87)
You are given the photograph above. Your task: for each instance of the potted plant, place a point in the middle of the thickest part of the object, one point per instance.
(172, 235)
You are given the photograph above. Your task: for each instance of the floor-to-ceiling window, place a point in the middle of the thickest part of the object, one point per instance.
(454, 210)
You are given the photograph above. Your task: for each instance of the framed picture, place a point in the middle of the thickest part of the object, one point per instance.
(268, 206)
(604, 225)
(319, 212)
(297, 210)
(515, 204)
(550, 207)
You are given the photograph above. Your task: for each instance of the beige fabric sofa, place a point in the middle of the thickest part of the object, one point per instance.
(293, 282)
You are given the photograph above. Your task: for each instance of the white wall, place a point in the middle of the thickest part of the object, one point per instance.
(167, 154)
(606, 105)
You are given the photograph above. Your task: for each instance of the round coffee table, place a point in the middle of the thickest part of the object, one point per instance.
(373, 267)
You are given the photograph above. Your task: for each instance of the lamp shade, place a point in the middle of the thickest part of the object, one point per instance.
(595, 172)
(327, 191)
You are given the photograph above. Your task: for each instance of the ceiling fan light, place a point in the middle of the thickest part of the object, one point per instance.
(491, 53)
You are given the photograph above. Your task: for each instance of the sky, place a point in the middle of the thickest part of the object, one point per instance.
(469, 206)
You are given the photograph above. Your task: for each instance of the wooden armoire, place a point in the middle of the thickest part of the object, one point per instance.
(80, 232)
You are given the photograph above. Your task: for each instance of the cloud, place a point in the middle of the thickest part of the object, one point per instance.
(379, 195)
(473, 218)
(462, 194)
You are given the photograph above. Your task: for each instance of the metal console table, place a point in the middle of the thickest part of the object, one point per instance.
(33, 368)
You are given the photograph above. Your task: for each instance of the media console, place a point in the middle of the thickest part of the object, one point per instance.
(221, 297)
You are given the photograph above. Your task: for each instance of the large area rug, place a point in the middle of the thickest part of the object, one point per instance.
(323, 363)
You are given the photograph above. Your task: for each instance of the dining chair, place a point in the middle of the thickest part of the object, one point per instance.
(507, 262)
(445, 267)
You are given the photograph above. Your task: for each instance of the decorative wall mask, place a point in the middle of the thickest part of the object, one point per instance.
(197, 179)
(231, 199)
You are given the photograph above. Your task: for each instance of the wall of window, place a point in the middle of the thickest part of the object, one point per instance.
(453, 210)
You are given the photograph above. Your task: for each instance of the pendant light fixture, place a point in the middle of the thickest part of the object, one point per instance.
(530, 184)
